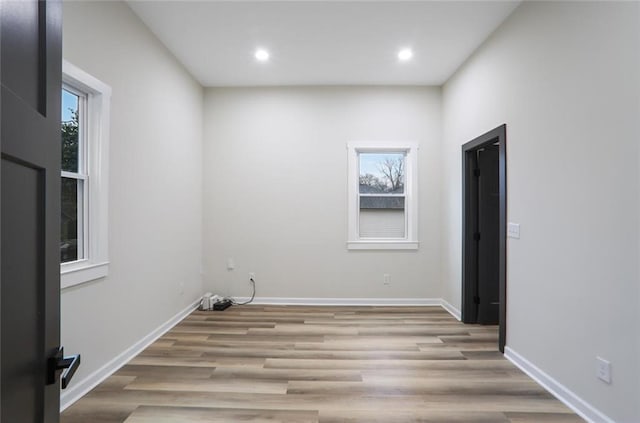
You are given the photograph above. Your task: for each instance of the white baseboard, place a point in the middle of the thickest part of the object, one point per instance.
(570, 399)
(343, 301)
(79, 389)
(355, 302)
(451, 309)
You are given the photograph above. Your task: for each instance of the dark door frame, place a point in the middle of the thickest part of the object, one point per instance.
(469, 246)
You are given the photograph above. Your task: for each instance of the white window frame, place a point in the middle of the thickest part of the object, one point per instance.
(93, 167)
(80, 175)
(410, 240)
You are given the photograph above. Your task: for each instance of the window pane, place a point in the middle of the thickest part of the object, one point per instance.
(71, 212)
(70, 148)
(382, 173)
(382, 217)
(381, 202)
(382, 223)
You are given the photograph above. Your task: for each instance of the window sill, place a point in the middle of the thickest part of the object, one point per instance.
(80, 273)
(383, 245)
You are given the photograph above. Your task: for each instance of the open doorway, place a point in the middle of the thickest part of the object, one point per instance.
(484, 231)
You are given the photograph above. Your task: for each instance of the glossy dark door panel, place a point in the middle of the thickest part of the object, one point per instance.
(30, 76)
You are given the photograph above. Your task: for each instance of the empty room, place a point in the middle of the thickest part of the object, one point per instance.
(320, 211)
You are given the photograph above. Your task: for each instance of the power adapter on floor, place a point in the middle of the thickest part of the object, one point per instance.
(222, 305)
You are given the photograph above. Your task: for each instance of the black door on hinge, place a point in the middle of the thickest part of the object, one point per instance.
(30, 79)
(484, 226)
(488, 242)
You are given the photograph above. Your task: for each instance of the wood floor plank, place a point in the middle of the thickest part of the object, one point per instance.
(412, 330)
(363, 346)
(382, 339)
(286, 374)
(291, 363)
(413, 416)
(481, 403)
(321, 364)
(264, 386)
(147, 414)
(210, 324)
(214, 342)
(268, 338)
(138, 370)
(216, 352)
(98, 412)
(405, 386)
(116, 382)
(172, 362)
(289, 329)
(466, 346)
(542, 418)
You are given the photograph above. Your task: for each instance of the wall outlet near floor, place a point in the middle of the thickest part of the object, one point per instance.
(252, 276)
(603, 369)
(386, 280)
(231, 264)
(181, 288)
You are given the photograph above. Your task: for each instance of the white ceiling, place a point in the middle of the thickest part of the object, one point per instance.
(322, 42)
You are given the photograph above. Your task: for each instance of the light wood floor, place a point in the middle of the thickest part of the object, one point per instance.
(321, 364)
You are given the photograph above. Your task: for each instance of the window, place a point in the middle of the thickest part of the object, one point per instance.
(382, 195)
(74, 176)
(84, 165)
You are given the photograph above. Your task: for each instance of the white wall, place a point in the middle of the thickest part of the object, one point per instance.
(565, 78)
(275, 192)
(155, 178)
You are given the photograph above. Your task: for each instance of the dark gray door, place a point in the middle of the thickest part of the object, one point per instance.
(484, 231)
(489, 229)
(30, 75)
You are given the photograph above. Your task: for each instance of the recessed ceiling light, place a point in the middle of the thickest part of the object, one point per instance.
(262, 55)
(405, 54)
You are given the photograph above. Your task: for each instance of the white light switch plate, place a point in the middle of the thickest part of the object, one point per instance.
(513, 230)
(603, 370)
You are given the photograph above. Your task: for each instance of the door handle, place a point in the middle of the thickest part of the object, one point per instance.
(59, 362)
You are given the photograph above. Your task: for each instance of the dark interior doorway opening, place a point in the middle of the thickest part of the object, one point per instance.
(484, 231)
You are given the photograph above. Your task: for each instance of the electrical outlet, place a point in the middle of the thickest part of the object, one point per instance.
(181, 288)
(603, 369)
(231, 264)
(252, 276)
(386, 279)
